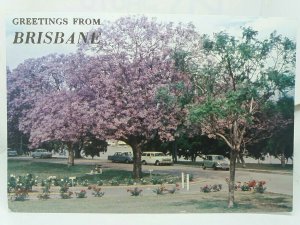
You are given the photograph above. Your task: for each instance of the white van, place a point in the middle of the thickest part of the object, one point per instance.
(156, 158)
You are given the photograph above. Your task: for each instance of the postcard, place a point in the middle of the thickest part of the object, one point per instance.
(150, 114)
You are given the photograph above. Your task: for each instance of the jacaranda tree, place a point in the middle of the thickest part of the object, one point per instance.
(136, 69)
(47, 102)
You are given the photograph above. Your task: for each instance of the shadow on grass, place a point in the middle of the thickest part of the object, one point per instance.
(244, 202)
(216, 205)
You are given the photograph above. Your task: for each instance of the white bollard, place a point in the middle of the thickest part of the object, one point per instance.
(72, 180)
(187, 182)
(182, 179)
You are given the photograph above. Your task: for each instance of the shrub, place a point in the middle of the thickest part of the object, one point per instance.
(21, 182)
(67, 181)
(97, 192)
(64, 191)
(159, 190)
(85, 183)
(252, 184)
(81, 194)
(53, 180)
(216, 187)
(245, 187)
(135, 191)
(20, 194)
(163, 190)
(129, 181)
(211, 188)
(156, 180)
(11, 183)
(66, 195)
(45, 192)
(206, 189)
(260, 188)
(100, 182)
(114, 182)
(143, 181)
(20, 186)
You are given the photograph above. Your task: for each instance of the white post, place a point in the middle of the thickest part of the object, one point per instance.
(72, 180)
(187, 182)
(182, 179)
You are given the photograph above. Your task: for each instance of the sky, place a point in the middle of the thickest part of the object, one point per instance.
(17, 53)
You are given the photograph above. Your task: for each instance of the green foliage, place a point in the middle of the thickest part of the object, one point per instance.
(97, 192)
(100, 182)
(260, 187)
(239, 79)
(21, 182)
(211, 188)
(181, 58)
(45, 192)
(135, 191)
(93, 146)
(164, 96)
(115, 181)
(245, 187)
(20, 194)
(64, 191)
(157, 180)
(129, 181)
(159, 190)
(281, 140)
(81, 194)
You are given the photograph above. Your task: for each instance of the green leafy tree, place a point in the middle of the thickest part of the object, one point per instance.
(93, 146)
(280, 143)
(239, 77)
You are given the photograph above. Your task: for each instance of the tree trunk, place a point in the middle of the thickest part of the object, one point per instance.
(137, 162)
(231, 182)
(71, 154)
(137, 156)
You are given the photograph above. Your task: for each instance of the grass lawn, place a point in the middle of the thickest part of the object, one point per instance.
(246, 202)
(43, 170)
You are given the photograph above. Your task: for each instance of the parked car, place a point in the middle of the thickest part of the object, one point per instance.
(41, 153)
(156, 158)
(216, 162)
(125, 157)
(11, 152)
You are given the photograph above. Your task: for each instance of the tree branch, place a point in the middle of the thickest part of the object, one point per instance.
(225, 139)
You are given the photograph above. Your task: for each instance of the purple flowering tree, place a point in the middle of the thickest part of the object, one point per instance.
(44, 98)
(136, 83)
